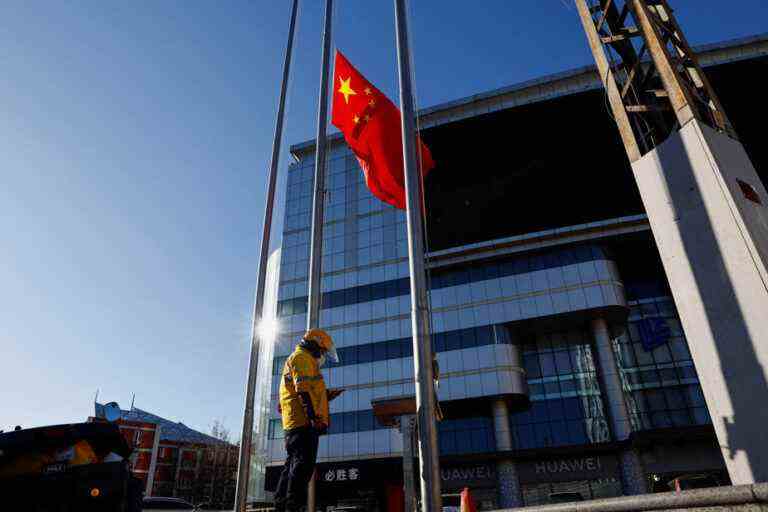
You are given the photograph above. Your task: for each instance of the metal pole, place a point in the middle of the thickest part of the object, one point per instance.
(244, 466)
(407, 428)
(429, 461)
(318, 203)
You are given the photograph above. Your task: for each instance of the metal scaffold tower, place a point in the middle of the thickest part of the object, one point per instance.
(652, 77)
(707, 209)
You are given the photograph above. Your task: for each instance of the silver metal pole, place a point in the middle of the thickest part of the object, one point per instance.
(429, 456)
(408, 429)
(318, 204)
(244, 466)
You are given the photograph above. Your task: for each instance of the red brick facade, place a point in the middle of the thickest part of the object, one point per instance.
(200, 472)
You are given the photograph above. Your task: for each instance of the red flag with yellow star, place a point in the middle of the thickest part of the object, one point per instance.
(370, 123)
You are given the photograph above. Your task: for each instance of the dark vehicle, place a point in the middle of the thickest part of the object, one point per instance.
(63, 468)
(693, 481)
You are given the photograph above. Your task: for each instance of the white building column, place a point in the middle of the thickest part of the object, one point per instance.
(509, 492)
(632, 472)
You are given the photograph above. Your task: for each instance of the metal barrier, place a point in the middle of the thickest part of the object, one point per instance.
(720, 497)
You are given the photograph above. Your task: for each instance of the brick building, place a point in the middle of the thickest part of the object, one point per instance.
(177, 461)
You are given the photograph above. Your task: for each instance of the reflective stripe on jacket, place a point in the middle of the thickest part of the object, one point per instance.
(301, 373)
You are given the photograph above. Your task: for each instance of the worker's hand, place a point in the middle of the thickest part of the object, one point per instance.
(319, 425)
(332, 394)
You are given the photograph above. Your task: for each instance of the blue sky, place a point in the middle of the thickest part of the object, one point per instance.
(135, 139)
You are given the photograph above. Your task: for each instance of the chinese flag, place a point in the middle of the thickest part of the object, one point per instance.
(370, 123)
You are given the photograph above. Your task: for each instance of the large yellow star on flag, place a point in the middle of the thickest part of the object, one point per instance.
(346, 89)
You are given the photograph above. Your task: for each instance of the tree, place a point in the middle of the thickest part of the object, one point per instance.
(219, 431)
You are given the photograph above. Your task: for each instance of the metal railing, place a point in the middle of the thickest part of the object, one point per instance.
(732, 496)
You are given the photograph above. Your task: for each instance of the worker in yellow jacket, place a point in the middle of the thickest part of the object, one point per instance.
(304, 409)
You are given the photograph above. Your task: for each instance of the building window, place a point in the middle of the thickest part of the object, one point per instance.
(567, 407)
(660, 382)
(466, 435)
(403, 347)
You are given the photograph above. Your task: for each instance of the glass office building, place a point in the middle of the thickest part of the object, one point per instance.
(542, 270)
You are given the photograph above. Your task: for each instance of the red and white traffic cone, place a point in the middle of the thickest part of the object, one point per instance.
(467, 504)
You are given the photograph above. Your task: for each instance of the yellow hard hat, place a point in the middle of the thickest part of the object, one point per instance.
(324, 341)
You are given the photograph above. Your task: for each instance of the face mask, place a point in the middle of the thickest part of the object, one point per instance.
(321, 361)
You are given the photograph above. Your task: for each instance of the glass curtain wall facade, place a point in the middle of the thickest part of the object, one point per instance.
(546, 285)
(366, 308)
(364, 252)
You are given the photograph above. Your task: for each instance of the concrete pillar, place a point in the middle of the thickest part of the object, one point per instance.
(633, 476)
(509, 492)
(632, 472)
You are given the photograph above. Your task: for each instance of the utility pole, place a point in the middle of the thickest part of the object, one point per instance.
(707, 210)
(246, 439)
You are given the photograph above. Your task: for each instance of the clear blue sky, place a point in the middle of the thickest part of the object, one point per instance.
(135, 138)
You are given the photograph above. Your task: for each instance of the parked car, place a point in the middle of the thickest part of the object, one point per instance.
(693, 481)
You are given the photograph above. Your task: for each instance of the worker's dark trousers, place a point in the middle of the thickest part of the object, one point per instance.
(301, 446)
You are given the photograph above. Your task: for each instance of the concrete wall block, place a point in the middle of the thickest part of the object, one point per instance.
(712, 242)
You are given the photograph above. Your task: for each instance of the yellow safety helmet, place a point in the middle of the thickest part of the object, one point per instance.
(324, 341)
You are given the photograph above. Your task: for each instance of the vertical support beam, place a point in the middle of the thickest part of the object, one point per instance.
(177, 473)
(509, 493)
(407, 428)
(429, 456)
(698, 77)
(632, 472)
(610, 381)
(246, 438)
(606, 75)
(679, 96)
(153, 462)
(318, 204)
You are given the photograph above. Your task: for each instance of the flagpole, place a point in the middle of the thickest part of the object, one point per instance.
(429, 456)
(246, 439)
(318, 200)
